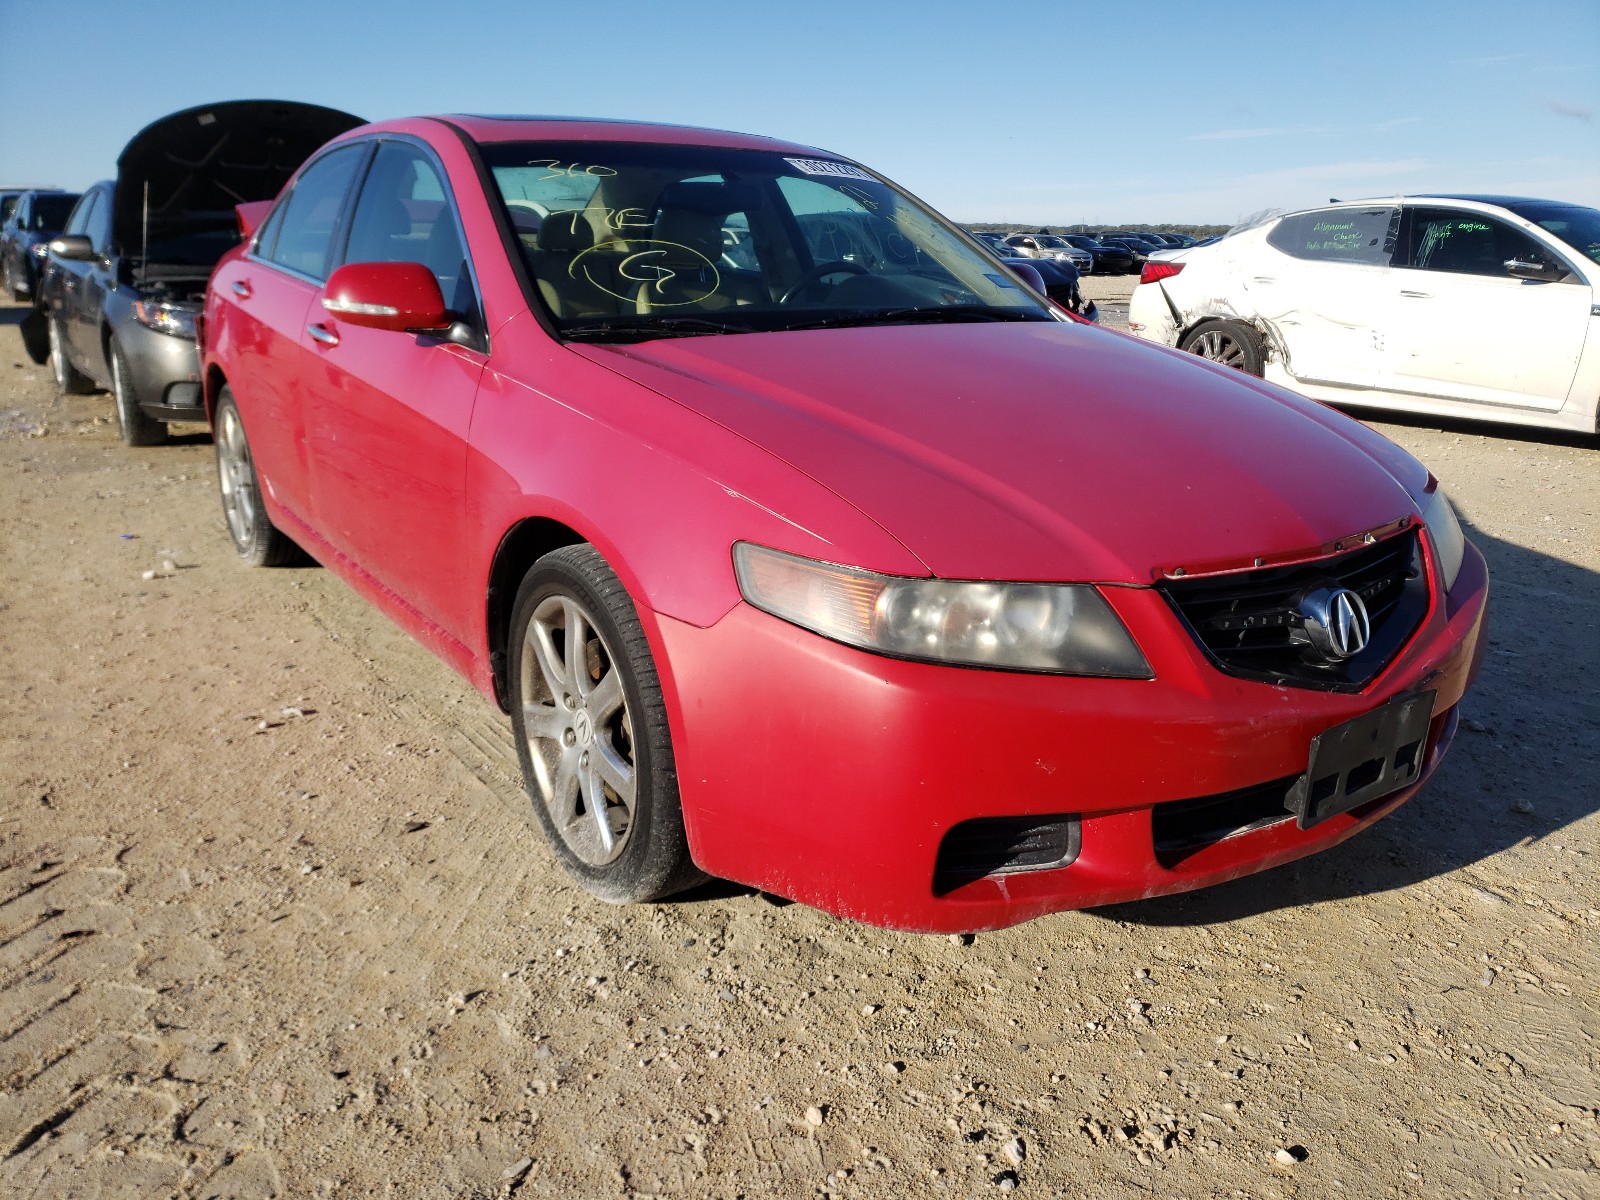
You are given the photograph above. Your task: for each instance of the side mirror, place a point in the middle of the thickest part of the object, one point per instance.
(1029, 274)
(1545, 272)
(399, 296)
(73, 247)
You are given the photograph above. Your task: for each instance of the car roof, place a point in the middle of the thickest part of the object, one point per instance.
(499, 128)
(1413, 197)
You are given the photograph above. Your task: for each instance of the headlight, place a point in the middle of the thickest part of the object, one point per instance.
(165, 318)
(1062, 629)
(1449, 544)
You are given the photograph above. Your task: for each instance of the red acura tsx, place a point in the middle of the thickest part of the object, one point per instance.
(808, 547)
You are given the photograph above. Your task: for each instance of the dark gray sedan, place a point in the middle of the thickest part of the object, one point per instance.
(124, 281)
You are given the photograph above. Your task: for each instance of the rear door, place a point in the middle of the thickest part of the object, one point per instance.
(1465, 329)
(1321, 285)
(264, 299)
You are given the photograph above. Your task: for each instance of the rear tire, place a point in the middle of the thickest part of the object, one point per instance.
(1227, 343)
(259, 542)
(591, 731)
(69, 380)
(136, 428)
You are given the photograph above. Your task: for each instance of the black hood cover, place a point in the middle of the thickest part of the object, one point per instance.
(198, 163)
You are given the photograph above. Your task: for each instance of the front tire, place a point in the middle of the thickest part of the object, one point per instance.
(259, 542)
(591, 731)
(69, 380)
(136, 428)
(1229, 343)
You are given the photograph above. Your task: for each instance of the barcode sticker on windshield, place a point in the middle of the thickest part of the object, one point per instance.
(822, 166)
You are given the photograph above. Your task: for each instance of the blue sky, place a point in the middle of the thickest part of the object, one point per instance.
(1175, 111)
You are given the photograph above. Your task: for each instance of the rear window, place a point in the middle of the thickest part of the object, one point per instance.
(1347, 235)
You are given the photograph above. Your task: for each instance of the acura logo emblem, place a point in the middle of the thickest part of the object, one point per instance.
(1336, 621)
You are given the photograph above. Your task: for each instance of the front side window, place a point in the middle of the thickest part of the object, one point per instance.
(1577, 226)
(403, 215)
(1364, 236)
(630, 240)
(302, 239)
(80, 214)
(98, 226)
(1464, 243)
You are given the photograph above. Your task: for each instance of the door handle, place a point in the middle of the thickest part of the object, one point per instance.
(1417, 295)
(241, 288)
(323, 334)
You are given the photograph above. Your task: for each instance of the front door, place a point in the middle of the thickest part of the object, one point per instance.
(1464, 329)
(387, 413)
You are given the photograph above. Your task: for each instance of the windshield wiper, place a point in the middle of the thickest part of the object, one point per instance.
(924, 314)
(625, 329)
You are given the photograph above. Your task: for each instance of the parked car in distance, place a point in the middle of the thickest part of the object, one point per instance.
(123, 282)
(1049, 246)
(1058, 278)
(1147, 239)
(35, 218)
(1138, 248)
(1105, 258)
(1469, 306)
(851, 570)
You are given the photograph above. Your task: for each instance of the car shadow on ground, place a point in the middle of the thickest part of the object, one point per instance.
(1509, 780)
(1478, 428)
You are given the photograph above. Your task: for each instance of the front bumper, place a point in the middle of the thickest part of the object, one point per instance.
(832, 776)
(163, 371)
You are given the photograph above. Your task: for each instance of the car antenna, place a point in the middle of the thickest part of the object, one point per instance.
(144, 228)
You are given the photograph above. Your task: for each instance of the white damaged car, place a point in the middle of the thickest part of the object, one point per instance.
(1466, 306)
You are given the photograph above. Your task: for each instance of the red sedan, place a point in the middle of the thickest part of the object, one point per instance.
(808, 547)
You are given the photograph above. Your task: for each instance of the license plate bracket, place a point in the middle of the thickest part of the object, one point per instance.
(1363, 759)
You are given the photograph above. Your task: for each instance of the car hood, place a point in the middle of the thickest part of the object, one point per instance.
(1041, 451)
(193, 166)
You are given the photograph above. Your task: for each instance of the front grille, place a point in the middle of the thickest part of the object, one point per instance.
(1003, 846)
(1250, 626)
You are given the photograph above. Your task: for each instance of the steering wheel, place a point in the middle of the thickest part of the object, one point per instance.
(820, 272)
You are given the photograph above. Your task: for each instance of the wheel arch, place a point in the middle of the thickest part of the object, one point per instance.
(529, 540)
(212, 381)
(1272, 344)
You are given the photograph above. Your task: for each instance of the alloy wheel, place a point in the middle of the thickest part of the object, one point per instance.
(58, 361)
(1219, 348)
(579, 731)
(236, 474)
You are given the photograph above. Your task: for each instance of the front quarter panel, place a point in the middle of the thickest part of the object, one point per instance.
(659, 490)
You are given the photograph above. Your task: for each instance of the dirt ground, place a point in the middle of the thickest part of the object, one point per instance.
(274, 920)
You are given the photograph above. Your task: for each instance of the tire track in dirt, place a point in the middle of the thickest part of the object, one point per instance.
(102, 1092)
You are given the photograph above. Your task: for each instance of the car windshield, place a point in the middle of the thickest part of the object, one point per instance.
(1051, 242)
(1577, 226)
(633, 240)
